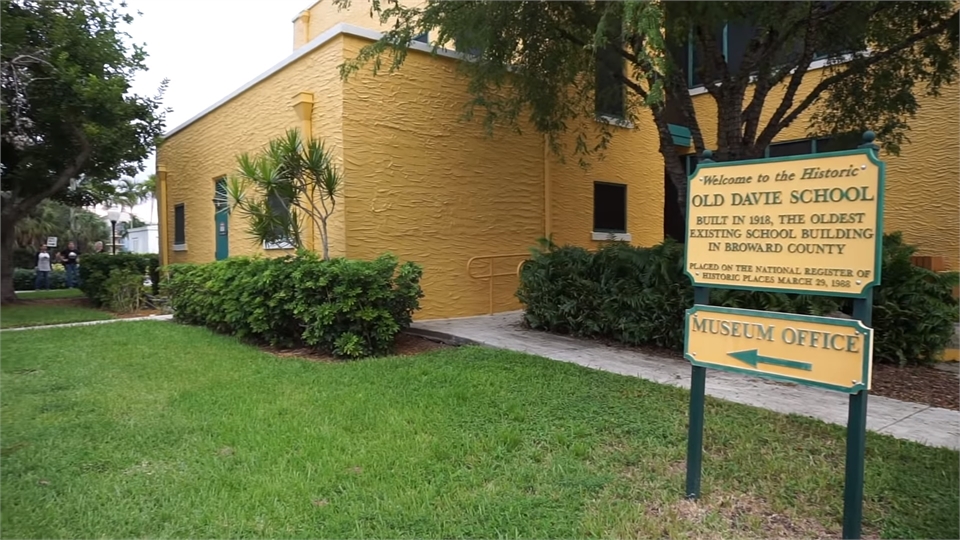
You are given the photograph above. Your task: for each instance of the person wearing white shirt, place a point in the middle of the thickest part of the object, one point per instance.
(43, 267)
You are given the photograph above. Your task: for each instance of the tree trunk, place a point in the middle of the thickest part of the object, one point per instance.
(324, 240)
(7, 241)
(671, 160)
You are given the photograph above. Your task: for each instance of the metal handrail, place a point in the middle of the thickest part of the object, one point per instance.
(491, 275)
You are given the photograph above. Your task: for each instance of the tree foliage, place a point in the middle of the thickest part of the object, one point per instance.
(536, 61)
(51, 218)
(68, 115)
(289, 188)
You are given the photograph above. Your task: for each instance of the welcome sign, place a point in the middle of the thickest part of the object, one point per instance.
(806, 224)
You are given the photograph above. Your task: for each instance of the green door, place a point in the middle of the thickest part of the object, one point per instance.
(220, 219)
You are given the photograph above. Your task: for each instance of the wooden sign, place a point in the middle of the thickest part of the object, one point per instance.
(807, 224)
(826, 352)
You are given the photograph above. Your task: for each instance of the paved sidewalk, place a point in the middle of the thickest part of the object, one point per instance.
(88, 323)
(931, 426)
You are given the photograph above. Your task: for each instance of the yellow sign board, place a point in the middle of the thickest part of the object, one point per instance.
(807, 224)
(831, 353)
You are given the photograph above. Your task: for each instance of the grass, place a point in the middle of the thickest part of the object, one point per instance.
(164, 430)
(50, 294)
(41, 313)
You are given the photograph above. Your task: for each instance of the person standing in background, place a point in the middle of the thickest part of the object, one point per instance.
(43, 266)
(70, 257)
(98, 247)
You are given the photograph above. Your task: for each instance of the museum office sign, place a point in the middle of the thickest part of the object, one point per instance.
(805, 224)
(825, 352)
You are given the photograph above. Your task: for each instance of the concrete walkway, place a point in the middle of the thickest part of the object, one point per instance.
(931, 426)
(88, 323)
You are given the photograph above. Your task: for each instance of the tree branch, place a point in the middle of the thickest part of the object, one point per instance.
(63, 180)
(801, 69)
(873, 59)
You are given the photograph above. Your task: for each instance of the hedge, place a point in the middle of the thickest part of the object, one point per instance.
(23, 279)
(95, 269)
(638, 296)
(344, 307)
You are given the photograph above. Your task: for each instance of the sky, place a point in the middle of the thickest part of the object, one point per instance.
(207, 49)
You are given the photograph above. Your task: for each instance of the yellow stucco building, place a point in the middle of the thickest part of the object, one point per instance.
(429, 187)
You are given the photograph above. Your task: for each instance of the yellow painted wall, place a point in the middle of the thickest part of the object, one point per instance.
(632, 158)
(324, 14)
(922, 187)
(207, 149)
(431, 188)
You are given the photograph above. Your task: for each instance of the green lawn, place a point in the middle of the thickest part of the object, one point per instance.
(154, 429)
(41, 313)
(52, 293)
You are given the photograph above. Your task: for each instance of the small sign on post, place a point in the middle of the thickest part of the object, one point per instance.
(52, 241)
(808, 224)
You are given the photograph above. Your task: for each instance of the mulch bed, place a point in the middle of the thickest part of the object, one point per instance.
(404, 345)
(919, 384)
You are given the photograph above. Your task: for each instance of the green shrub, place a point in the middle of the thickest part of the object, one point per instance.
(345, 307)
(23, 279)
(95, 269)
(638, 296)
(123, 291)
(914, 311)
(24, 257)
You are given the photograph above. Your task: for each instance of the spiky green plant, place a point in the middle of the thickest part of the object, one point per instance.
(289, 188)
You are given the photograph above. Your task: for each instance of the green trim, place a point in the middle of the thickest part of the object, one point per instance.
(847, 323)
(681, 135)
(882, 173)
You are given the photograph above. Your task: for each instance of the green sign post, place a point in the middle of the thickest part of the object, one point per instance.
(807, 225)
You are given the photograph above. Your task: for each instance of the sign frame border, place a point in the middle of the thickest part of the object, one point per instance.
(878, 234)
(866, 362)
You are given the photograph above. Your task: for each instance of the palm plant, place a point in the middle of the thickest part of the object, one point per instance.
(291, 184)
(147, 191)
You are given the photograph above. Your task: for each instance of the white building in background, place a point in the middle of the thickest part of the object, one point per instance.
(144, 239)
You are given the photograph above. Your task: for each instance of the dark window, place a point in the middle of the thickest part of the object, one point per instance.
(179, 225)
(220, 195)
(837, 143)
(422, 38)
(792, 148)
(609, 207)
(281, 208)
(609, 99)
(738, 37)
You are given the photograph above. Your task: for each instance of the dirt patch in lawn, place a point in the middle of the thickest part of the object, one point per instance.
(725, 515)
(404, 345)
(919, 384)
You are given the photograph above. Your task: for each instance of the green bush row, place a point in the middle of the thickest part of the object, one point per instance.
(638, 296)
(23, 279)
(345, 307)
(95, 270)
